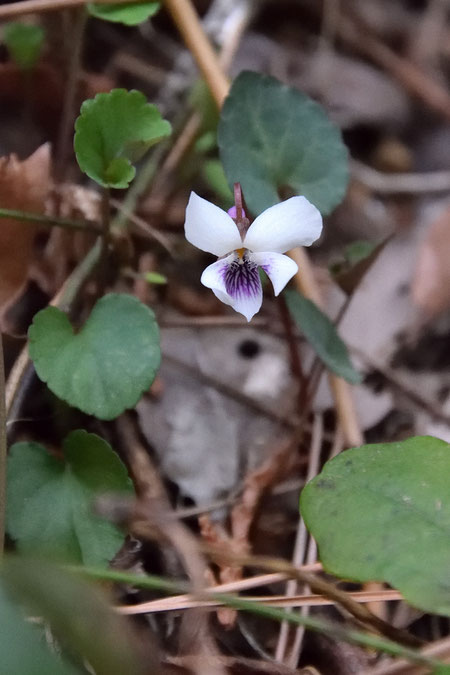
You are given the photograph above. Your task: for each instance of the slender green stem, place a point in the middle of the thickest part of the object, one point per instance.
(138, 187)
(64, 300)
(3, 450)
(331, 629)
(79, 276)
(26, 217)
(105, 239)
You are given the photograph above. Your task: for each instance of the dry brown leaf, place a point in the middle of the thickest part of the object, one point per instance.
(24, 185)
(257, 482)
(214, 533)
(431, 281)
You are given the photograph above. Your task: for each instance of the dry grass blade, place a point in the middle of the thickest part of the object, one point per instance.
(183, 602)
(321, 587)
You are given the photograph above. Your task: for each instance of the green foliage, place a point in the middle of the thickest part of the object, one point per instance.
(382, 512)
(49, 505)
(214, 175)
(155, 278)
(130, 14)
(277, 142)
(78, 614)
(358, 251)
(24, 43)
(358, 259)
(105, 367)
(113, 131)
(23, 652)
(321, 335)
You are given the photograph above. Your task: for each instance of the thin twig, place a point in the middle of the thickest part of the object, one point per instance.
(68, 112)
(3, 450)
(294, 354)
(235, 663)
(50, 221)
(400, 183)
(395, 382)
(144, 226)
(302, 535)
(237, 395)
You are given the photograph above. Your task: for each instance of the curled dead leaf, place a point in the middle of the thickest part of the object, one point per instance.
(431, 280)
(24, 185)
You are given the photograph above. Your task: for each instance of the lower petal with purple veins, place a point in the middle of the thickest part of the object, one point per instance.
(242, 278)
(237, 278)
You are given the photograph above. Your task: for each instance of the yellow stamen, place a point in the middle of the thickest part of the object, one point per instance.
(240, 252)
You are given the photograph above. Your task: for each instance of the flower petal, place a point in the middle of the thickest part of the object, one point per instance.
(278, 267)
(235, 283)
(209, 228)
(248, 305)
(214, 275)
(295, 222)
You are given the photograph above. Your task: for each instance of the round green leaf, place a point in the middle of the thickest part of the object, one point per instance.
(105, 367)
(113, 131)
(382, 513)
(24, 43)
(276, 141)
(130, 14)
(49, 504)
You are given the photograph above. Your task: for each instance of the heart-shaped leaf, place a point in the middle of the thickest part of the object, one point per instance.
(382, 513)
(49, 505)
(105, 367)
(128, 13)
(277, 142)
(321, 335)
(114, 130)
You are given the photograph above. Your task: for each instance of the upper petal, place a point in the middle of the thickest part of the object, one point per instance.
(209, 228)
(279, 268)
(235, 284)
(295, 222)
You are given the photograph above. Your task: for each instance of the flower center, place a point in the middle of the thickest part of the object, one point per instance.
(241, 276)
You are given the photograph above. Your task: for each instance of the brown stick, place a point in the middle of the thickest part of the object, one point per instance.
(186, 19)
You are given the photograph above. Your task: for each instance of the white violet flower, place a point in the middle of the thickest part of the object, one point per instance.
(242, 249)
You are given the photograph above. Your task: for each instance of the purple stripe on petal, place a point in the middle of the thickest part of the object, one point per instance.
(241, 278)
